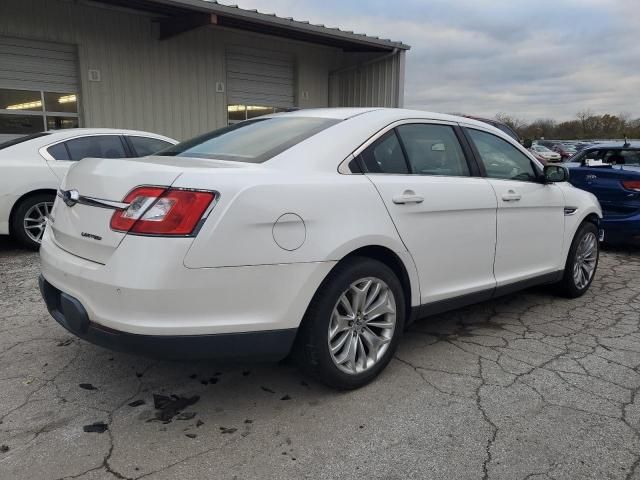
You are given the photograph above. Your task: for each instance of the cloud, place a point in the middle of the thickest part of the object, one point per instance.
(548, 58)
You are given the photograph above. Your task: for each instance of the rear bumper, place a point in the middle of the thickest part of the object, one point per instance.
(145, 289)
(69, 312)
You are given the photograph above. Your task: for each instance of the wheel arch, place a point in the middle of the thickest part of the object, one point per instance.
(401, 263)
(592, 218)
(391, 260)
(22, 198)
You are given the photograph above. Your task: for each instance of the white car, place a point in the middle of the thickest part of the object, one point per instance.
(322, 232)
(32, 167)
(546, 153)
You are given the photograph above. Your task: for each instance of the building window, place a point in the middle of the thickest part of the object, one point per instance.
(28, 111)
(238, 113)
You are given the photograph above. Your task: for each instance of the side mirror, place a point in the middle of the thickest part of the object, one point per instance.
(555, 173)
(528, 143)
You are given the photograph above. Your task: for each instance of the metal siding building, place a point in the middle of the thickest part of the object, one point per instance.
(178, 67)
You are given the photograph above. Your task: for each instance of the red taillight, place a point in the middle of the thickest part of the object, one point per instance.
(632, 185)
(162, 211)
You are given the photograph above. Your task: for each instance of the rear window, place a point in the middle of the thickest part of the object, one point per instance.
(251, 141)
(26, 138)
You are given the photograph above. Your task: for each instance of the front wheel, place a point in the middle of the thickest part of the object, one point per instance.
(582, 261)
(353, 324)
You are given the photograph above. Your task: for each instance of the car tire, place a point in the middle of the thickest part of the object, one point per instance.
(582, 262)
(29, 219)
(345, 306)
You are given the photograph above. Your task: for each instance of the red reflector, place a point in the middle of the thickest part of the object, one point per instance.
(632, 185)
(159, 211)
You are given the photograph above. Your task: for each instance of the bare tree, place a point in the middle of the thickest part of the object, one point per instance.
(584, 116)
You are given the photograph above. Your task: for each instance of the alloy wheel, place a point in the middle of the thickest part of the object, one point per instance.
(35, 220)
(362, 325)
(584, 265)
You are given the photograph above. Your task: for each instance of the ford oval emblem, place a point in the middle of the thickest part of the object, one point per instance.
(70, 197)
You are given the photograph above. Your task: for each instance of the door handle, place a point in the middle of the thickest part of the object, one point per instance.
(589, 178)
(408, 196)
(511, 196)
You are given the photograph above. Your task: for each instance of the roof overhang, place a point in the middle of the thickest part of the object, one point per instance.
(184, 15)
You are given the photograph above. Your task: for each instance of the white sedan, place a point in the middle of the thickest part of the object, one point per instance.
(32, 167)
(318, 232)
(546, 153)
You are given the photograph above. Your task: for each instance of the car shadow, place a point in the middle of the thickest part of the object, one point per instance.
(7, 244)
(622, 249)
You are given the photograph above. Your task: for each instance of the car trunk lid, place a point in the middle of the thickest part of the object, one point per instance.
(82, 227)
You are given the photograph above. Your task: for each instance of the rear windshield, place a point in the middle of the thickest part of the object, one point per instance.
(252, 141)
(26, 138)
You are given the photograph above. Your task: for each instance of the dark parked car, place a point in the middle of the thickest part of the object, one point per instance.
(612, 173)
(566, 150)
(548, 143)
(499, 125)
(582, 145)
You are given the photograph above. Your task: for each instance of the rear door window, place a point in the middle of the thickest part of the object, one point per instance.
(433, 149)
(385, 155)
(145, 146)
(96, 146)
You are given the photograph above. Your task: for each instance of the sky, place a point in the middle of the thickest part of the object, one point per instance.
(528, 58)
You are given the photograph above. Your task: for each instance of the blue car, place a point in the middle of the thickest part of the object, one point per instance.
(612, 173)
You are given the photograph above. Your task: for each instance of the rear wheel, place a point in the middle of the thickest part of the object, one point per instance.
(30, 219)
(353, 324)
(582, 261)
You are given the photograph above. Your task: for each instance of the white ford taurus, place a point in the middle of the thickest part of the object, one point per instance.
(318, 232)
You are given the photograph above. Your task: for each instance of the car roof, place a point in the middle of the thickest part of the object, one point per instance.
(390, 114)
(616, 145)
(358, 126)
(78, 132)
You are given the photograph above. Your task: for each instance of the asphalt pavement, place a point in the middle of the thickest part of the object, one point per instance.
(529, 386)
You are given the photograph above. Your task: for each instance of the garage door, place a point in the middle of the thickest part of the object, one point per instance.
(258, 82)
(38, 86)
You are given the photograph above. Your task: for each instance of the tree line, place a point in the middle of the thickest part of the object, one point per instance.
(586, 126)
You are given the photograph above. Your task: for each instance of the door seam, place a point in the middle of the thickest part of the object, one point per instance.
(413, 260)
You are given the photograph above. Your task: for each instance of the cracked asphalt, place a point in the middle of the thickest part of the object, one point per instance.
(529, 386)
